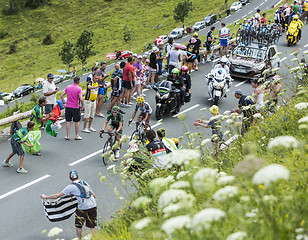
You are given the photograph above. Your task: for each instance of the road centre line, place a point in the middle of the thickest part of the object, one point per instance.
(241, 83)
(261, 3)
(306, 45)
(24, 186)
(295, 51)
(250, 12)
(86, 158)
(188, 109)
(281, 60)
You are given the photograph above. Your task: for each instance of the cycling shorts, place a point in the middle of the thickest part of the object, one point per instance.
(224, 42)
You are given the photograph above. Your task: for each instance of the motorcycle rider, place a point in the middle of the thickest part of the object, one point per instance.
(299, 23)
(186, 79)
(178, 83)
(223, 65)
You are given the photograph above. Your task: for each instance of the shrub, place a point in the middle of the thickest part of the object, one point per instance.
(36, 3)
(3, 34)
(10, 10)
(13, 48)
(48, 40)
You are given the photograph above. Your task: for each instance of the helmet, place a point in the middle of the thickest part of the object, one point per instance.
(214, 109)
(115, 109)
(175, 140)
(73, 175)
(195, 34)
(224, 60)
(184, 68)
(295, 17)
(155, 49)
(193, 40)
(160, 43)
(162, 131)
(175, 70)
(183, 47)
(140, 99)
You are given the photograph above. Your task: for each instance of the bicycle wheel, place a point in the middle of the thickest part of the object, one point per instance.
(107, 147)
(134, 135)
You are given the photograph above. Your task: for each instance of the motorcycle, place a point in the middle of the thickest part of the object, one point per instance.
(167, 99)
(218, 83)
(292, 34)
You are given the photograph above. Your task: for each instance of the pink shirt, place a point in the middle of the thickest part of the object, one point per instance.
(73, 92)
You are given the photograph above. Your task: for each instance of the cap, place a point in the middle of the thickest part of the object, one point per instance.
(193, 40)
(94, 68)
(103, 62)
(238, 91)
(147, 61)
(155, 49)
(50, 75)
(177, 46)
(139, 57)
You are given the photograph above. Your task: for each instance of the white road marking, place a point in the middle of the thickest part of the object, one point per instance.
(188, 109)
(250, 12)
(241, 83)
(244, 16)
(227, 17)
(306, 45)
(86, 158)
(24, 186)
(295, 51)
(237, 20)
(283, 59)
(261, 3)
(156, 125)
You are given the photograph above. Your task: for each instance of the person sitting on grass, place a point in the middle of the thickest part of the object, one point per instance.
(17, 139)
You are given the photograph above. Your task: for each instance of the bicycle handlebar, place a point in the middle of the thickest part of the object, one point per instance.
(109, 133)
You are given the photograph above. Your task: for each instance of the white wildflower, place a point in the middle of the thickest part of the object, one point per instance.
(169, 179)
(269, 198)
(301, 237)
(250, 214)
(306, 52)
(276, 69)
(284, 141)
(116, 192)
(147, 173)
(225, 180)
(203, 109)
(157, 185)
(176, 223)
(54, 232)
(205, 142)
(182, 157)
(182, 117)
(225, 193)
(237, 236)
(258, 115)
(270, 173)
(180, 184)
(302, 105)
(299, 230)
(203, 180)
(171, 196)
(278, 53)
(266, 71)
(127, 155)
(245, 198)
(204, 218)
(227, 112)
(229, 121)
(234, 115)
(182, 174)
(294, 69)
(112, 167)
(141, 203)
(227, 133)
(103, 178)
(133, 141)
(303, 126)
(246, 108)
(141, 224)
(124, 138)
(221, 174)
(303, 120)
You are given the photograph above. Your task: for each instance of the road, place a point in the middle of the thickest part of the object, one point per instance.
(22, 215)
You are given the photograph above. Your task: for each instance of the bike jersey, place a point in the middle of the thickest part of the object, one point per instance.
(91, 94)
(224, 33)
(145, 109)
(209, 35)
(115, 121)
(158, 151)
(117, 73)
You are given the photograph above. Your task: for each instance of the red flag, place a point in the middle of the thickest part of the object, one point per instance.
(57, 112)
(111, 55)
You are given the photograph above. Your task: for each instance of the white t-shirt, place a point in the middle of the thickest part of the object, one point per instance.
(49, 87)
(258, 16)
(83, 203)
(287, 11)
(183, 54)
(174, 58)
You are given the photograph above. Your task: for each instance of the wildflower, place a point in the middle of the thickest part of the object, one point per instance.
(169, 179)
(116, 192)
(227, 112)
(303, 126)
(124, 138)
(147, 173)
(203, 109)
(54, 232)
(182, 174)
(180, 184)
(244, 198)
(186, 203)
(237, 236)
(302, 105)
(204, 218)
(303, 120)
(182, 117)
(205, 142)
(141, 224)
(176, 223)
(270, 173)
(102, 178)
(132, 142)
(229, 121)
(221, 174)
(295, 69)
(182, 157)
(203, 180)
(266, 71)
(306, 52)
(225, 193)
(225, 180)
(171, 196)
(285, 141)
(276, 69)
(112, 167)
(250, 214)
(301, 237)
(299, 230)
(141, 203)
(269, 198)
(258, 115)
(157, 185)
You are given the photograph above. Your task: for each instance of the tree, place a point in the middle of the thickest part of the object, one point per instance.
(36, 3)
(12, 9)
(181, 11)
(226, 4)
(67, 53)
(84, 46)
(128, 34)
(47, 40)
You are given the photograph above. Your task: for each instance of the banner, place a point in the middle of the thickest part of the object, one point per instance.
(33, 138)
(52, 128)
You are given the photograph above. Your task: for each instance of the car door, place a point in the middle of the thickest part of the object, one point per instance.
(275, 61)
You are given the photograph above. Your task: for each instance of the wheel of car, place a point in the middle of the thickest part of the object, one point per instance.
(12, 98)
(21, 95)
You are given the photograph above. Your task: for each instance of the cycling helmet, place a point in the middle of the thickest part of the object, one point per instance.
(175, 70)
(175, 140)
(295, 17)
(224, 60)
(184, 68)
(193, 40)
(73, 175)
(140, 99)
(115, 109)
(183, 47)
(195, 34)
(214, 109)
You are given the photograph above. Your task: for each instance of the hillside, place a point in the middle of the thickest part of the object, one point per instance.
(67, 19)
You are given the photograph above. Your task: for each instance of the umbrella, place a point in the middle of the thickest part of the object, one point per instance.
(61, 71)
(40, 80)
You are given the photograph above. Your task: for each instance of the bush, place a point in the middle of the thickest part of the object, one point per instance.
(10, 10)
(3, 34)
(36, 3)
(48, 40)
(13, 48)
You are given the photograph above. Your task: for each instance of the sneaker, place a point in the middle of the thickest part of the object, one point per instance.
(92, 129)
(7, 164)
(133, 98)
(86, 130)
(196, 68)
(21, 170)
(122, 105)
(117, 153)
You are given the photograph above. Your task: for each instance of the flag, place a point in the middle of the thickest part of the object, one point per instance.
(60, 209)
(33, 138)
(52, 128)
(111, 55)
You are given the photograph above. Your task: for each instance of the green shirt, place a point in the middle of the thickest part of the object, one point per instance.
(295, 9)
(20, 135)
(37, 114)
(115, 121)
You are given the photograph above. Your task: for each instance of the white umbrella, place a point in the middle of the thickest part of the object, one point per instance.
(61, 71)
(40, 80)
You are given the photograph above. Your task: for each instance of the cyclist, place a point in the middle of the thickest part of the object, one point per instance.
(116, 124)
(145, 112)
(299, 23)
(186, 79)
(177, 82)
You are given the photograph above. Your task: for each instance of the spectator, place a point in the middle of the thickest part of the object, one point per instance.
(263, 20)
(305, 11)
(286, 14)
(72, 108)
(17, 139)
(39, 86)
(86, 211)
(258, 15)
(174, 58)
(273, 89)
(183, 55)
(138, 68)
(90, 103)
(37, 115)
(243, 102)
(278, 18)
(198, 44)
(50, 92)
(169, 45)
(191, 53)
(224, 33)
(157, 149)
(209, 43)
(94, 71)
(257, 95)
(152, 67)
(128, 75)
(160, 58)
(34, 85)
(144, 75)
(102, 90)
(168, 143)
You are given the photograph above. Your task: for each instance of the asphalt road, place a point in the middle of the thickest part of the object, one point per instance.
(22, 215)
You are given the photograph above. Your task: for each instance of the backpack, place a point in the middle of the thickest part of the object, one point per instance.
(15, 126)
(85, 191)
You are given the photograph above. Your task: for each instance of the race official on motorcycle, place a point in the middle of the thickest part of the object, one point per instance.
(186, 79)
(177, 81)
(300, 24)
(223, 64)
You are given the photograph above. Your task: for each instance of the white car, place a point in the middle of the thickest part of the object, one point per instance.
(177, 33)
(199, 25)
(8, 96)
(235, 6)
(163, 38)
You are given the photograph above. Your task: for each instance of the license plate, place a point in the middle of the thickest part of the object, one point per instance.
(218, 93)
(239, 70)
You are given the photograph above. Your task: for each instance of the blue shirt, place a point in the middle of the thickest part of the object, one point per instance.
(161, 54)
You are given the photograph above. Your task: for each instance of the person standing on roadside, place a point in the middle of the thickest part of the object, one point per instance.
(86, 211)
(198, 44)
(94, 71)
(138, 68)
(305, 11)
(286, 15)
(183, 55)
(152, 67)
(224, 34)
(37, 115)
(257, 95)
(72, 108)
(128, 75)
(160, 58)
(209, 43)
(90, 103)
(258, 15)
(278, 18)
(102, 90)
(50, 92)
(174, 58)
(169, 45)
(17, 139)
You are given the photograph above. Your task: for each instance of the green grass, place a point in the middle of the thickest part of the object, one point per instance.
(67, 19)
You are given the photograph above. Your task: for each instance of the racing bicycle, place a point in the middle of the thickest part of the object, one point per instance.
(108, 145)
(139, 133)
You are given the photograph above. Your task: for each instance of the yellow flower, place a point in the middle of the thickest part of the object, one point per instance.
(286, 216)
(251, 190)
(261, 186)
(302, 223)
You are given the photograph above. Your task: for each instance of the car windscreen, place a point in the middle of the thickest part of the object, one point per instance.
(19, 88)
(250, 52)
(197, 23)
(207, 18)
(174, 32)
(234, 4)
